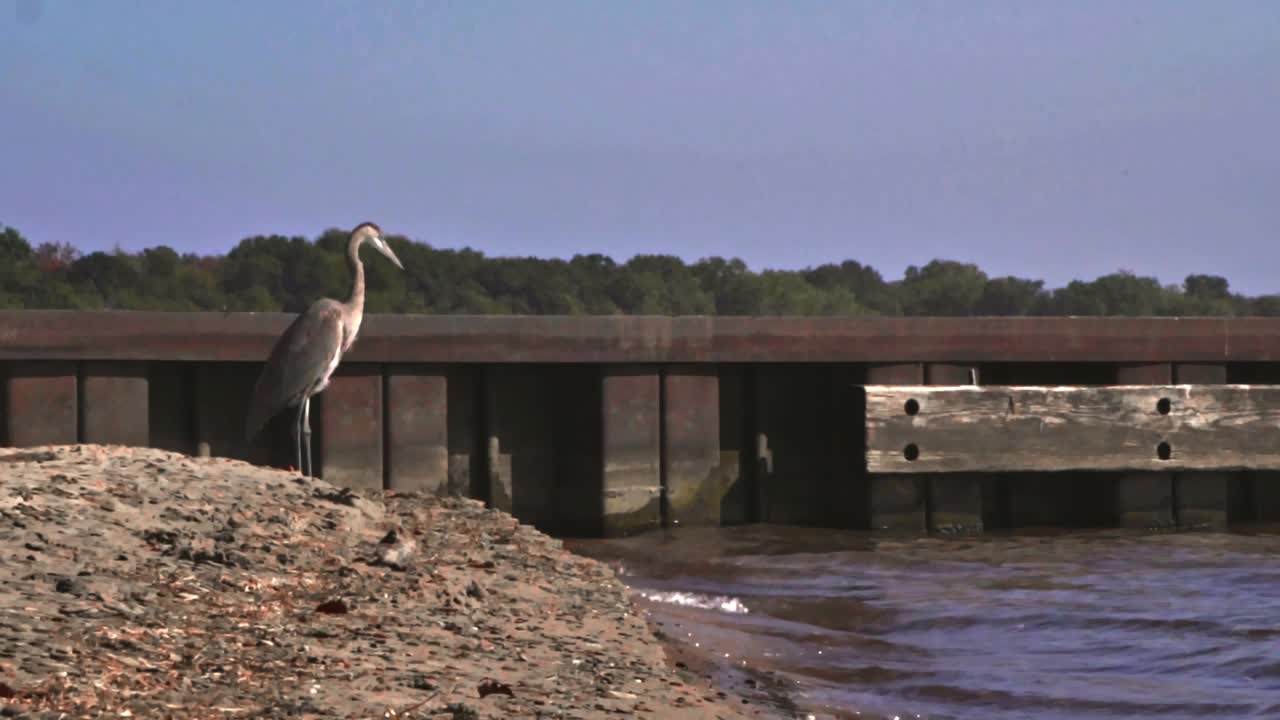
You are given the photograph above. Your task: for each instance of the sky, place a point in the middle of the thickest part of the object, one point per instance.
(1038, 138)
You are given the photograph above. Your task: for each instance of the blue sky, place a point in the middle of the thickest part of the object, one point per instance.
(1039, 138)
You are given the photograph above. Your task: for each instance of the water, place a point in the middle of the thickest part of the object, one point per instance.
(1100, 624)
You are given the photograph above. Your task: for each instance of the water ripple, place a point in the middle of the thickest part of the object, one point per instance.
(1106, 624)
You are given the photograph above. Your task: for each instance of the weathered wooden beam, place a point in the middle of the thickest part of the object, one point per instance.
(896, 503)
(1201, 498)
(1120, 428)
(955, 499)
(1144, 499)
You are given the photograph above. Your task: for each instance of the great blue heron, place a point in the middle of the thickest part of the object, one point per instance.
(306, 354)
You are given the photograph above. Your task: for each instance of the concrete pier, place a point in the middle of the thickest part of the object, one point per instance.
(616, 425)
(691, 453)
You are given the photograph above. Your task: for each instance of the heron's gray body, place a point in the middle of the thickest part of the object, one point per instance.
(301, 362)
(306, 354)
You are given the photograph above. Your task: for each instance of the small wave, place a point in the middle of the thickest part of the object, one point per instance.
(722, 603)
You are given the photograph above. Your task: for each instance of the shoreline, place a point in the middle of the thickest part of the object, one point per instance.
(157, 584)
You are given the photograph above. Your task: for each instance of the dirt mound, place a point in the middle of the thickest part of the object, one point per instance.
(147, 584)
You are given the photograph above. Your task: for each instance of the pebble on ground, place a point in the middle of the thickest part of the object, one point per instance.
(149, 584)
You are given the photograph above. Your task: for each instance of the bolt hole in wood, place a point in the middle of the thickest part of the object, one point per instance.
(1163, 451)
(911, 406)
(911, 452)
(1163, 406)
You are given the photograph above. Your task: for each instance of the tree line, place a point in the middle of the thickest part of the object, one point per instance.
(278, 273)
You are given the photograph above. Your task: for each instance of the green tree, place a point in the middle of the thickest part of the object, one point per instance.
(943, 287)
(1011, 296)
(592, 275)
(862, 281)
(14, 248)
(734, 289)
(275, 272)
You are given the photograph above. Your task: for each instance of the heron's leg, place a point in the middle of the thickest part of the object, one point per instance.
(297, 437)
(306, 433)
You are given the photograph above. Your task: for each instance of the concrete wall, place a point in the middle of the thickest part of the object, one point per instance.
(669, 438)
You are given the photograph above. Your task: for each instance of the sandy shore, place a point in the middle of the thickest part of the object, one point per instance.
(147, 584)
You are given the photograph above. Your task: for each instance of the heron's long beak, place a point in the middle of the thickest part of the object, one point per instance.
(385, 248)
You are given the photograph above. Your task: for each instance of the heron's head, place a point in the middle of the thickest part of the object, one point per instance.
(372, 234)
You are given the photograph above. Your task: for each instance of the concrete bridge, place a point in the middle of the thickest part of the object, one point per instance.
(610, 425)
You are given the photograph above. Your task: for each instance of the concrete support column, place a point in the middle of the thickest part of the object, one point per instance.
(349, 451)
(737, 447)
(1266, 496)
(42, 403)
(114, 399)
(222, 395)
(170, 408)
(1200, 497)
(465, 433)
(417, 428)
(519, 407)
(955, 499)
(804, 420)
(631, 437)
(1145, 499)
(897, 503)
(691, 444)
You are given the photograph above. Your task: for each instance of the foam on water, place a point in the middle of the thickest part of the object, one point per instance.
(718, 602)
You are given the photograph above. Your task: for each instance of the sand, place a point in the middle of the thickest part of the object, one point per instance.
(148, 584)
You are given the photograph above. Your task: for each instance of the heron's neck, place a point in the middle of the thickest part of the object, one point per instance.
(356, 301)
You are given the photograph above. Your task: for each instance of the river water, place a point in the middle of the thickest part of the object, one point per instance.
(1095, 624)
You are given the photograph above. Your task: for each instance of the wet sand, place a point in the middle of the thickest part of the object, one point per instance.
(142, 583)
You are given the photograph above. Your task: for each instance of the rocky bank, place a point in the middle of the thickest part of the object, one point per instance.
(147, 584)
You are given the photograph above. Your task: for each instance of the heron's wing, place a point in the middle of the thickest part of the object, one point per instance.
(300, 357)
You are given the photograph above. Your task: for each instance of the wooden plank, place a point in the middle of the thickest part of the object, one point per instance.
(1004, 428)
(1262, 495)
(896, 504)
(954, 499)
(630, 398)
(41, 404)
(1201, 498)
(349, 448)
(116, 403)
(691, 433)
(417, 428)
(248, 337)
(1144, 499)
